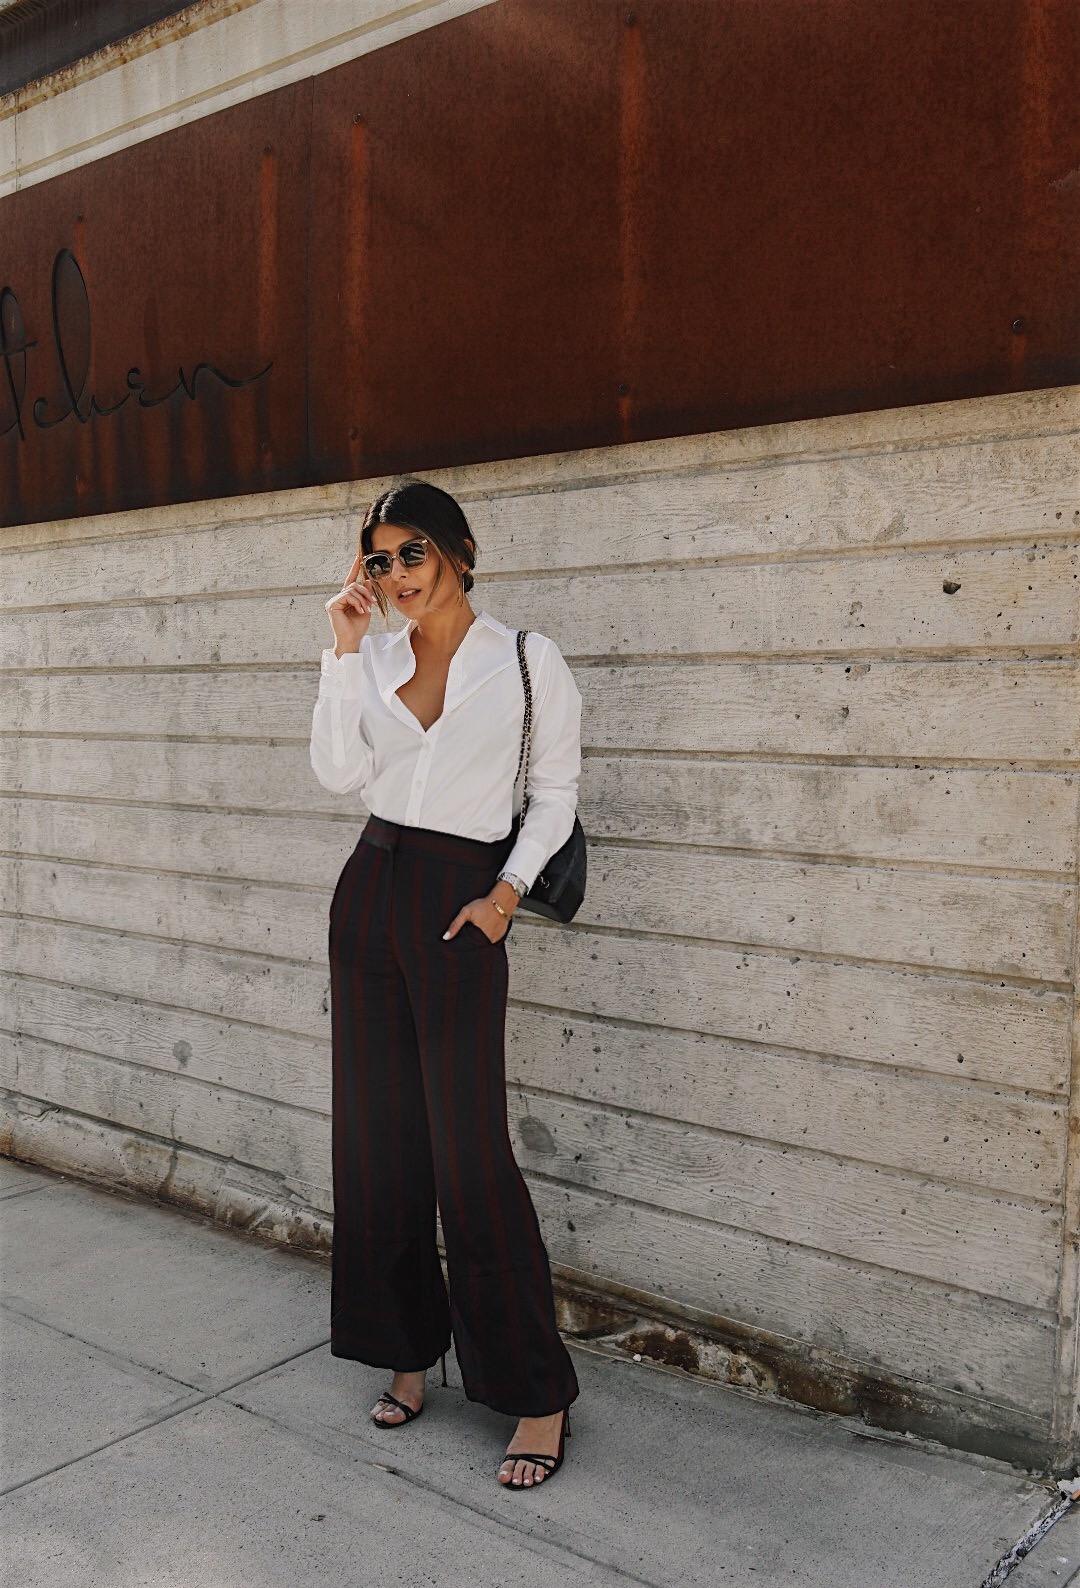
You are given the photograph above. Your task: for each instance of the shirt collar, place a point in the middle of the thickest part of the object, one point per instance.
(483, 616)
(392, 660)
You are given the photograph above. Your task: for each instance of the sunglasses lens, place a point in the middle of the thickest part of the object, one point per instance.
(377, 564)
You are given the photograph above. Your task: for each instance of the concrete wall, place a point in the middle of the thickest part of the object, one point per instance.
(794, 1091)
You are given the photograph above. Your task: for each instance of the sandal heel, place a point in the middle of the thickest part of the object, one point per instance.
(442, 1359)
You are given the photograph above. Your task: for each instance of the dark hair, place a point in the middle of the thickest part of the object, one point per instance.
(416, 504)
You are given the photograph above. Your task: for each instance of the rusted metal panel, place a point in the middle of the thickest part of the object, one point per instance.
(552, 226)
(152, 320)
(465, 243)
(545, 225)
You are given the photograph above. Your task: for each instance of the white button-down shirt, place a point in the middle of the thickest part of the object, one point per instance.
(459, 775)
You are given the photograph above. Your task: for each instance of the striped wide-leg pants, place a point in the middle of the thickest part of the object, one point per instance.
(419, 1118)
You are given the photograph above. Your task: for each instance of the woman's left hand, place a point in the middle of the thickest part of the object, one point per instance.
(482, 913)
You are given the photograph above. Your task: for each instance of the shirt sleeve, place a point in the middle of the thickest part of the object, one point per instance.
(341, 755)
(554, 767)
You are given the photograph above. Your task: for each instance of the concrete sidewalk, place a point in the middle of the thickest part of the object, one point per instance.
(174, 1418)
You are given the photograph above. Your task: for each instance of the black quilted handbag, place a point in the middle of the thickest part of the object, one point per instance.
(560, 886)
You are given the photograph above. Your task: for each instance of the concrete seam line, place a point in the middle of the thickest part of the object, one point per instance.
(1026, 1543)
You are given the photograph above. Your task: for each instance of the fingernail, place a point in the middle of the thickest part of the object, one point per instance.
(446, 935)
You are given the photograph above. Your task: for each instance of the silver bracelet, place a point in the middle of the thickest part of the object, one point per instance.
(519, 887)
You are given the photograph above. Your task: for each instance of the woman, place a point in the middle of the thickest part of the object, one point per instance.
(426, 721)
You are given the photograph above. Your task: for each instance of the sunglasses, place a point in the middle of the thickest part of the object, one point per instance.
(378, 564)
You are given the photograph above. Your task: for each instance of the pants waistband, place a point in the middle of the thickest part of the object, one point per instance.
(385, 834)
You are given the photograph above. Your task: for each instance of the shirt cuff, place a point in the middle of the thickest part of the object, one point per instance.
(340, 676)
(526, 860)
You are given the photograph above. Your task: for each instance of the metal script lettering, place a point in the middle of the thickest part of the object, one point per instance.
(71, 341)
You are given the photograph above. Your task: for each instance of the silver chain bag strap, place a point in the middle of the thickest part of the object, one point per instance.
(560, 886)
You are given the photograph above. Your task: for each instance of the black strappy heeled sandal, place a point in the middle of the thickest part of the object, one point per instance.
(538, 1459)
(410, 1411)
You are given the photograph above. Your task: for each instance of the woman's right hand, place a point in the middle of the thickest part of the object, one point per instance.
(350, 610)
